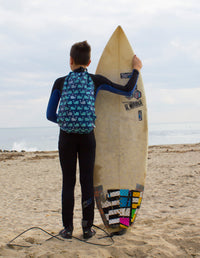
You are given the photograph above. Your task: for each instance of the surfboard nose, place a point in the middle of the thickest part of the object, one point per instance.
(118, 29)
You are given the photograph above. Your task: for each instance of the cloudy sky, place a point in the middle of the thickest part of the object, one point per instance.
(36, 36)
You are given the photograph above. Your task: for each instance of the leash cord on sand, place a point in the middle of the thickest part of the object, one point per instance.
(11, 244)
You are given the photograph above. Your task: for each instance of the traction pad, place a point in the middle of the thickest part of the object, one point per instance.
(120, 206)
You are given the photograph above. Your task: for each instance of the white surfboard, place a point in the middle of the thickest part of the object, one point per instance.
(121, 138)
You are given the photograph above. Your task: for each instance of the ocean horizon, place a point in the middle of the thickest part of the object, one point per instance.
(46, 138)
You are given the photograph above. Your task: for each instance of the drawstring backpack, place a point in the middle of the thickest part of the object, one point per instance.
(76, 113)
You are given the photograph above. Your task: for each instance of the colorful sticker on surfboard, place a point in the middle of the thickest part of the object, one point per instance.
(120, 207)
(137, 94)
(129, 105)
(125, 75)
(140, 115)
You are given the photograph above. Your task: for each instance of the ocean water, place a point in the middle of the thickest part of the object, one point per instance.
(174, 133)
(46, 138)
(29, 138)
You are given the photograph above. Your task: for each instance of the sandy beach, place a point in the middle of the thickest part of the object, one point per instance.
(168, 223)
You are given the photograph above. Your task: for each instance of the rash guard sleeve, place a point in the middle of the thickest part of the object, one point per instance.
(54, 100)
(102, 83)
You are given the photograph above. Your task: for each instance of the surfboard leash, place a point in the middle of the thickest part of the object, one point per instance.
(11, 243)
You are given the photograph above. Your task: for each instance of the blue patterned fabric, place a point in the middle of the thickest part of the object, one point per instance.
(76, 112)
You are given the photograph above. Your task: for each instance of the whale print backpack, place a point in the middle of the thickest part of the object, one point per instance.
(76, 113)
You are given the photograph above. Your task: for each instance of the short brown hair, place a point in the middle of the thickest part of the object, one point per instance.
(80, 52)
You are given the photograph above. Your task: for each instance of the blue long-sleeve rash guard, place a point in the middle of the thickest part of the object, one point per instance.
(100, 83)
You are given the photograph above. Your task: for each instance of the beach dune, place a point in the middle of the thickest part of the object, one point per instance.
(168, 223)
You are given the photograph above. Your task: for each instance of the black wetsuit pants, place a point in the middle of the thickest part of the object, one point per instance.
(71, 147)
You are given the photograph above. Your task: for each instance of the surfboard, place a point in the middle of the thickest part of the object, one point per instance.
(121, 139)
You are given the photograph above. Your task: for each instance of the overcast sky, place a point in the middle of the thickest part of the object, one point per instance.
(36, 36)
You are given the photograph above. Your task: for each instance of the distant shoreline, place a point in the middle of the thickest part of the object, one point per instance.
(46, 138)
(53, 151)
